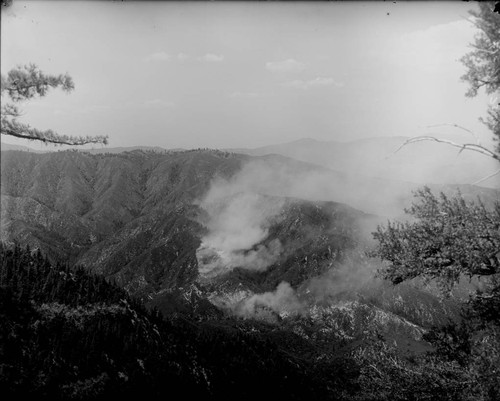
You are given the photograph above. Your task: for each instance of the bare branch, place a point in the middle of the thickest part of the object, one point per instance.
(456, 126)
(466, 146)
(485, 178)
(481, 49)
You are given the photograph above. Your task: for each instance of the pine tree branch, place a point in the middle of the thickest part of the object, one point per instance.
(24, 131)
(27, 82)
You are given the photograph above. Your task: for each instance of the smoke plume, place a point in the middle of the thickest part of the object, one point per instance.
(351, 278)
(283, 299)
(240, 210)
(238, 221)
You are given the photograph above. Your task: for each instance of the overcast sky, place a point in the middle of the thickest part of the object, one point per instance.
(244, 74)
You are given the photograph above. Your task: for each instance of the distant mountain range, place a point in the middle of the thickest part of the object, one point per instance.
(9, 146)
(424, 162)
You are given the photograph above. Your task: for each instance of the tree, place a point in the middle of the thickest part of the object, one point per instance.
(27, 82)
(483, 62)
(483, 71)
(448, 238)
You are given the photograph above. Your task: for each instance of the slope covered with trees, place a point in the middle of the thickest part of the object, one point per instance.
(65, 334)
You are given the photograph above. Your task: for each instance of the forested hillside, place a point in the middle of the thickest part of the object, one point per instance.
(65, 334)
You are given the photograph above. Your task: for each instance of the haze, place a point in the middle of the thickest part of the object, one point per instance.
(244, 74)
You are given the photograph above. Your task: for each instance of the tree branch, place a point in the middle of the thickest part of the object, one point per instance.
(485, 178)
(456, 126)
(465, 146)
(24, 131)
(27, 82)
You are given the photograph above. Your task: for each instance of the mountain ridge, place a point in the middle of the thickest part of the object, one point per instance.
(141, 218)
(233, 241)
(422, 162)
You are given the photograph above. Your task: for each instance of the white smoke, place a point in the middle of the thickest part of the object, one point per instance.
(346, 281)
(281, 177)
(240, 210)
(283, 300)
(353, 276)
(237, 224)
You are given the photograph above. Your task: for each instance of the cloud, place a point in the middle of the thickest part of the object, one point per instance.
(212, 58)
(158, 56)
(248, 95)
(157, 103)
(163, 56)
(435, 49)
(313, 83)
(289, 65)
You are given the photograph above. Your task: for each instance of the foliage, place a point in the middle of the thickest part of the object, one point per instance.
(448, 238)
(483, 62)
(25, 83)
(473, 343)
(387, 375)
(66, 334)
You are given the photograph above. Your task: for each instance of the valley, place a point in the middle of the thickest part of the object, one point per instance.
(222, 230)
(263, 245)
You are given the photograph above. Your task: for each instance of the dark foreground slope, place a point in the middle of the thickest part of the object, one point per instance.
(65, 334)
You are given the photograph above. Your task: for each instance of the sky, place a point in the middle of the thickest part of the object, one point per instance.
(245, 74)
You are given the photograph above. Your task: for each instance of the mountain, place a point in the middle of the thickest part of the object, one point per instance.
(132, 215)
(191, 229)
(8, 146)
(260, 257)
(424, 162)
(127, 149)
(141, 217)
